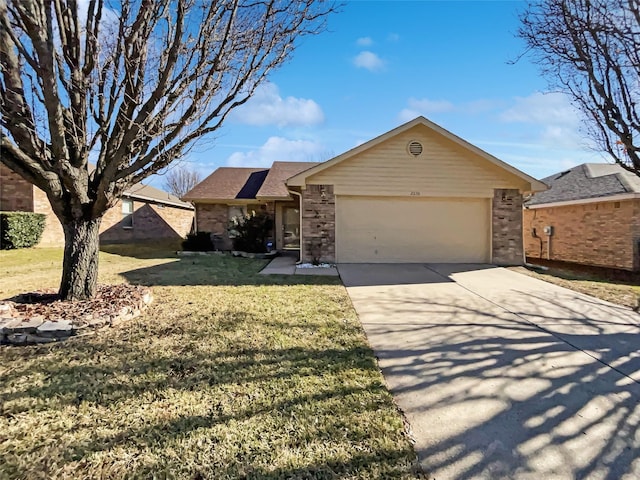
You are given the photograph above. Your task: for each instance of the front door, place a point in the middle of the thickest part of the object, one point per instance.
(291, 228)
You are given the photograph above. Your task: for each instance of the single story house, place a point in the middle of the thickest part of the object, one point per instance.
(417, 193)
(590, 215)
(144, 213)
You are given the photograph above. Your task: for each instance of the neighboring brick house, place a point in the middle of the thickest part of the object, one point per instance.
(144, 213)
(590, 215)
(416, 194)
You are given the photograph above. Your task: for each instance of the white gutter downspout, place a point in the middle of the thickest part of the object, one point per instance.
(301, 243)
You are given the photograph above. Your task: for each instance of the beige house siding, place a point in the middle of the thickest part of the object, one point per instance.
(444, 169)
(604, 234)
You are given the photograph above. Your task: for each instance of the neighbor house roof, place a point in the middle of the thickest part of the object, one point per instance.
(228, 183)
(587, 182)
(149, 193)
(274, 186)
(299, 180)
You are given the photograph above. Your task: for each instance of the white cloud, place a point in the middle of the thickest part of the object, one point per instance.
(368, 60)
(541, 108)
(425, 107)
(430, 106)
(364, 41)
(557, 120)
(278, 148)
(267, 107)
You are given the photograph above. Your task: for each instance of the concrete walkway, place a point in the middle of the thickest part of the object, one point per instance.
(502, 375)
(286, 265)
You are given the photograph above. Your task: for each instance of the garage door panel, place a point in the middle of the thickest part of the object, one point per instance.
(390, 230)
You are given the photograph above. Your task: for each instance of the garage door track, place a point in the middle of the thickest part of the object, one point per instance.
(504, 376)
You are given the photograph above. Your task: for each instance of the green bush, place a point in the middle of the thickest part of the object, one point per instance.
(20, 229)
(251, 233)
(198, 242)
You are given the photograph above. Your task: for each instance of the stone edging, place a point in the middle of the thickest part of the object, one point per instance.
(17, 329)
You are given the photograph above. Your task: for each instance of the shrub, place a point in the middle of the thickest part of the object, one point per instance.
(20, 229)
(251, 232)
(198, 242)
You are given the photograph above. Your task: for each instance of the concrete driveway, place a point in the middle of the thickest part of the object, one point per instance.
(501, 375)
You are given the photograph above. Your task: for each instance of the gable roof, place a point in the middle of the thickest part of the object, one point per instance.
(274, 186)
(299, 180)
(228, 183)
(148, 193)
(587, 181)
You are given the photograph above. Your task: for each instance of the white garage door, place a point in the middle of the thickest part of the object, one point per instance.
(412, 230)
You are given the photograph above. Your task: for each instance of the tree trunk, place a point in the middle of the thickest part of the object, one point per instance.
(80, 263)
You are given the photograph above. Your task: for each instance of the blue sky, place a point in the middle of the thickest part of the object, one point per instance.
(382, 63)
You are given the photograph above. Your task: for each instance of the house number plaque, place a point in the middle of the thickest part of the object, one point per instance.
(414, 194)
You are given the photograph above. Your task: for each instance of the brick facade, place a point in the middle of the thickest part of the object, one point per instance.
(214, 218)
(318, 224)
(603, 234)
(506, 227)
(52, 236)
(16, 194)
(150, 222)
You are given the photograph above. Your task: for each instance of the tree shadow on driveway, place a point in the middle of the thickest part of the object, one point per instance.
(517, 381)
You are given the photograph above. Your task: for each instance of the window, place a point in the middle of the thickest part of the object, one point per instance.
(127, 213)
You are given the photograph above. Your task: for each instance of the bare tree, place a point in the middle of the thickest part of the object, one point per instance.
(590, 49)
(131, 84)
(180, 180)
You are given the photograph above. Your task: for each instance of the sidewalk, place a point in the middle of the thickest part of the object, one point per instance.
(286, 265)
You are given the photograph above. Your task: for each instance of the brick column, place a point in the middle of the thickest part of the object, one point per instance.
(506, 219)
(318, 224)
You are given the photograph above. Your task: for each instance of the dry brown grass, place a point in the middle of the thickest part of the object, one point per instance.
(228, 375)
(617, 287)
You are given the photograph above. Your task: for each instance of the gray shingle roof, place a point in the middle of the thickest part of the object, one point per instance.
(147, 192)
(589, 180)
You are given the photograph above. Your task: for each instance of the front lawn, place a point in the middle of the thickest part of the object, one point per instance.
(228, 375)
(615, 286)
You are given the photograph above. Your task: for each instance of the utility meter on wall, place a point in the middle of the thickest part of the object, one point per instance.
(548, 230)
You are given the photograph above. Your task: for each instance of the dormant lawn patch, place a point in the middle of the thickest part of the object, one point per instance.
(227, 374)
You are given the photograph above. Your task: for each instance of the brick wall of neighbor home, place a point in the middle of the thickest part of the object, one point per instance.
(603, 234)
(319, 224)
(506, 228)
(150, 222)
(16, 194)
(52, 236)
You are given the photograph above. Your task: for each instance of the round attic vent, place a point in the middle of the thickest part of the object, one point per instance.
(414, 148)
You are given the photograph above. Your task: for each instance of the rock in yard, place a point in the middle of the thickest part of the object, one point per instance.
(27, 325)
(56, 329)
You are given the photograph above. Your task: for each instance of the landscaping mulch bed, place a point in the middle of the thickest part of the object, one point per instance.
(41, 316)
